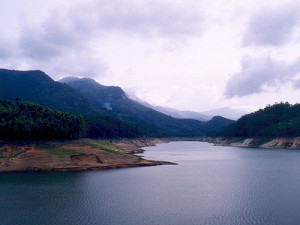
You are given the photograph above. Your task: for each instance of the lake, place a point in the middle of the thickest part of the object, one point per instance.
(210, 185)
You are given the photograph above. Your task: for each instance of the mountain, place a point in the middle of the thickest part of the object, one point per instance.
(35, 86)
(87, 97)
(278, 120)
(182, 114)
(173, 112)
(225, 112)
(28, 121)
(218, 123)
(115, 101)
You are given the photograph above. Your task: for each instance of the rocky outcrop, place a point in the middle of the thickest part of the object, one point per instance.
(292, 143)
(272, 143)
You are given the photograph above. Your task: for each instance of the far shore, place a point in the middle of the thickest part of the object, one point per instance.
(255, 142)
(100, 154)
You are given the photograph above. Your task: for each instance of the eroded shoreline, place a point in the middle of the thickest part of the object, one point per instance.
(100, 154)
(267, 143)
(76, 155)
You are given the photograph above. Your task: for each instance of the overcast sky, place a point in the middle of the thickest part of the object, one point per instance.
(190, 54)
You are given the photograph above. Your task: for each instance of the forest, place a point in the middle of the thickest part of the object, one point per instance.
(28, 121)
(277, 120)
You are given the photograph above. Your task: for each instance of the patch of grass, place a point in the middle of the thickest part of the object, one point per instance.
(109, 145)
(105, 146)
(13, 156)
(54, 150)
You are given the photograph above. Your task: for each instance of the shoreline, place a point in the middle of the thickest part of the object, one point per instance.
(266, 143)
(102, 154)
(76, 155)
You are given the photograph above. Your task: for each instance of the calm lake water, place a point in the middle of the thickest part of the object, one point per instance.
(211, 185)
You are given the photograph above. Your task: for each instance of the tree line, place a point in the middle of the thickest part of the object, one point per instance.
(28, 121)
(277, 120)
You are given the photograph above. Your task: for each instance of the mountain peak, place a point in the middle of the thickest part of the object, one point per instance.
(69, 79)
(85, 80)
(90, 87)
(29, 74)
(36, 86)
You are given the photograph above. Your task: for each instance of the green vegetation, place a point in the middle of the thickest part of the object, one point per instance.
(28, 121)
(35, 86)
(278, 120)
(17, 154)
(22, 120)
(101, 111)
(105, 146)
(109, 127)
(54, 150)
(113, 101)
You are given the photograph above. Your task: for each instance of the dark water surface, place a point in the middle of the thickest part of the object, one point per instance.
(211, 185)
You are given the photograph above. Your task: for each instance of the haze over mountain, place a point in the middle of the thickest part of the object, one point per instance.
(188, 54)
(86, 96)
(182, 114)
(173, 112)
(225, 112)
(115, 101)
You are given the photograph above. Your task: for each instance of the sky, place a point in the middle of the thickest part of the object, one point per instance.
(186, 54)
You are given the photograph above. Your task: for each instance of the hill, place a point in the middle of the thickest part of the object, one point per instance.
(29, 121)
(226, 112)
(87, 97)
(116, 103)
(35, 86)
(173, 112)
(183, 114)
(278, 120)
(218, 123)
(23, 120)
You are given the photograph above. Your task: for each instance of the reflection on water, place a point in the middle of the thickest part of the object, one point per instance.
(211, 185)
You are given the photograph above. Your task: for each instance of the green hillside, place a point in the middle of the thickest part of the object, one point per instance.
(278, 120)
(116, 103)
(35, 86)
(23, 120)
(28, 121)
(110, 104)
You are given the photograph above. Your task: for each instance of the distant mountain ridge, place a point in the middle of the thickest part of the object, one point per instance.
(225, 112)
(86, 96)
(115, 101)
(174, 112)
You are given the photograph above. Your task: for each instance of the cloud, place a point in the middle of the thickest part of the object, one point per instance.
(272, 26)
(84, 64)
(145, 18)
(66, 38)
(259, 74)
(8, 48)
